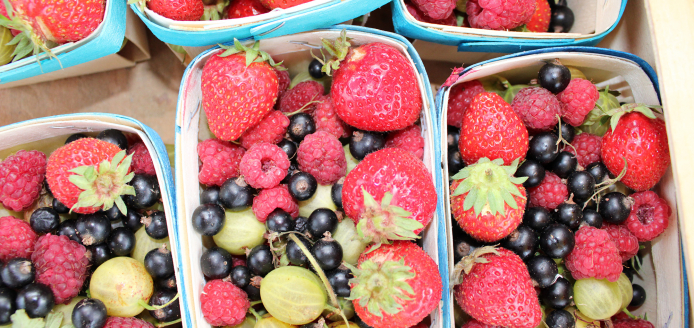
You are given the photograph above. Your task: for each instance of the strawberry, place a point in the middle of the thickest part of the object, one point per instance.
(390, 195)
(492, 217)
(246, 8)
(395, 285)
(374, 86)
(638, 137)
(284, 4)
(238, 89)
(89, 174)
(180, 10)
(494, 287)
(493, 130)
(540, 20)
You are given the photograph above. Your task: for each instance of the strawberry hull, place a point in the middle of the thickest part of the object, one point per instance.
(663, 274)
(191, 127)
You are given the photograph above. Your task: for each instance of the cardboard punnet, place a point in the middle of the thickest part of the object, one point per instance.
(191, 126)
(663, 274)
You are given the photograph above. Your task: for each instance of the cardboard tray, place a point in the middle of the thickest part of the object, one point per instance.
(48, 133)
(663, 274)
(594, 19)
(305, 17)
(191, 126)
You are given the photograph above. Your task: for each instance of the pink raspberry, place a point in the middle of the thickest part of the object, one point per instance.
(119, 322)
(223, 304)
(587, 148)
(649, 216)
(632, 323)
(270, 199)
(577, 100)
(627, 243)
(142, 161)
(595, 255)
(270, 129)
(409, 138)
(435, 9)
(537, 108)
(220, 161)
(420, 16)
(459, 100)
(21, 179)
(264, 165)
(499, 14)
(283, 79)
(550, 193)
(300, 95)
(16, 238)
(61, 264)
(327, 120)
(322, 155)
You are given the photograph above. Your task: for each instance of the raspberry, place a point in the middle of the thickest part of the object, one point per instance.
(632, 323)
(476, 324)
(420, 16)
(327, 120)
(550, 193)
(118, 322)
(264, 165)
(16, 238)
(587, 148)
(649, 216)
(270, 199)
(321, 155)
(619, 316)
(435, 9)
(220, 161)
(595, 255)
(60, 263)
(300, 95)
(142, 161)
(500, 14)
(270, 129)
(409, 138)
(21, 178)
(577, 100)
(223, 304)
(283, 80)
(537, 108)
(238, 260)
(459, 100)
(627, 243)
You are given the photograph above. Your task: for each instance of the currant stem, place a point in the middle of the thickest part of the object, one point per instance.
(255, 313)
(164, 324)
(157, 307)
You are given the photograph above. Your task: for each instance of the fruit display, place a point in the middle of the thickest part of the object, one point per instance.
(326, 197)
(72, 219)
(553, 196)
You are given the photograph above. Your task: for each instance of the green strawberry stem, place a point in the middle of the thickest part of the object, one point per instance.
(617, 113)
(467, 263)
(379, 287)
(104, 185)
(157, 307)
(28, 41)
(381, 223)
(604, 185)
(337, 49)
(253, 54)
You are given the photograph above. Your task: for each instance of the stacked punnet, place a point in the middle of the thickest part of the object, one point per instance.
(195, 10)
(315, 192)
(551, 192)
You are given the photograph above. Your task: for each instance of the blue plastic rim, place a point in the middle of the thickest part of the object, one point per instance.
(441, 233)
(108, 42)
(467, 43)
(327, 14)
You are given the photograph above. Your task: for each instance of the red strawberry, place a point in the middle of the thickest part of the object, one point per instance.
(491, 219)
(180, 10)
(246, 8)
(436, 9)
(539, 22)
(494, 287)
(385, 192)
(642, 141)
(90, 174)
(375, 88)
(272, 4)
(492, 129)
(237, 95)
(408, 285)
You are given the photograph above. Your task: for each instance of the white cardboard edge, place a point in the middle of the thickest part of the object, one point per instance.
(187, 158)
(662, 270)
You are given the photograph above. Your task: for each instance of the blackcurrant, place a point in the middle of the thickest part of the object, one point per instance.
(598, 170)
(455, 161)
(98, 254)
(18, 272)
(167, 283)
(44, 220)
(132, 220)
(210, 195)
(554, 77)
(159, 263)
(537, 218)
(564, 164)
(639, 296)
(93, 228)
(562, 19)
(69, 228)
(615, 207)
(558, 295)
(294, 253)
(60, 207)
(302, 186)
(115, 137)
(236, 195)
(293, 168)
(464, 245)
(208, 219)
(328, 253)
(543, 270)
(253, 292)
(240, 276)
(592, 218)
(320, 221)
(75, 137)
(36, 299)
(339, 281)
(216, 263)
(89, 313)
(629, 272)
(279, 221)
(568, 214)
(121, 241)
(300, 125)
(147, 191)
(260, 260)
(113, 214)
(557, 241)
(560, 319)
(315, 69)
(453, 136)
(568, 133)
(336, 193)
(168, 313)
(301, 224)
(533, 170)
(543, 147)
(289, 147)
(362, 143)
(522, 241)
(581, 184)
(7, 305)
(155, 225)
